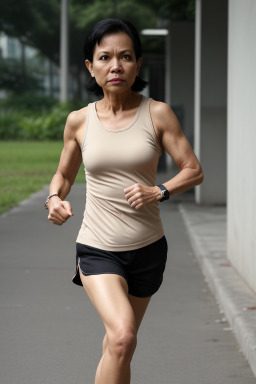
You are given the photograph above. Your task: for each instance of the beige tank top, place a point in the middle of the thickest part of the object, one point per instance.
(113, 161)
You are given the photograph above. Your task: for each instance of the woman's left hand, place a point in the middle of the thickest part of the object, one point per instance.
(139, 195)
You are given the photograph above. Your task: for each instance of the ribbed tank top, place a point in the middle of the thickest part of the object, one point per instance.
(114, 160)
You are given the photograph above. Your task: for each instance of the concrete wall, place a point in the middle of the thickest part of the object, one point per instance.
(241, 207)
(182, 41)
(211, 99)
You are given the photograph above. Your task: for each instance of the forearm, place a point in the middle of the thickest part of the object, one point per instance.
(60, 185)
(187, 178)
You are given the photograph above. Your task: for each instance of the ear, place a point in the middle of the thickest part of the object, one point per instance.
(139, 62)
(89, 67)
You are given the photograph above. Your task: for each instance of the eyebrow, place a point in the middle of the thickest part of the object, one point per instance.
(124, 50)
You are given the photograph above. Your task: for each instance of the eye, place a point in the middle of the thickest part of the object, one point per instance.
(127, 57)
(104, 57)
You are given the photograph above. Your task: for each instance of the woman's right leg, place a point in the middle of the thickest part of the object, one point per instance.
(109, 295)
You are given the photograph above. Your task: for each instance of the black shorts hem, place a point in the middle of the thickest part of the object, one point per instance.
(77, 280)
(144, 295)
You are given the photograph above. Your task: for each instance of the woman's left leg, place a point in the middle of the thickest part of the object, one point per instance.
(139, 306)
(109, 295)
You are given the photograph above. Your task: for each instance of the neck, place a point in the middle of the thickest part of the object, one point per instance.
(119, 102)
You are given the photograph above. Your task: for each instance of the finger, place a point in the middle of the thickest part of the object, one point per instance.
(126, 190)
(62, 211)
(130, 194)
(54, 220)
(135, 197)
(59, 213)
(68, 208)
(138, 206)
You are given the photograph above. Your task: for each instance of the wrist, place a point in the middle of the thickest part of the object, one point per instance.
(51, 199)
(164, 192)
(158, 193)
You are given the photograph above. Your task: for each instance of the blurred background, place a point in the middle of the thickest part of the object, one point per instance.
(42, 77)
(199, 56)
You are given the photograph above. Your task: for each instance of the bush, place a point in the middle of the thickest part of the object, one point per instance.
(9, 126)
(32, 120)
(27, 101)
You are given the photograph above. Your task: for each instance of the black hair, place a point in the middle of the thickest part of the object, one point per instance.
(102, 28)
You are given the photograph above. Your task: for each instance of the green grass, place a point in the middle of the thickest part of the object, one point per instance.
(25, 167)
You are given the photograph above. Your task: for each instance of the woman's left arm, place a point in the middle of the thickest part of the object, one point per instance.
(177, 146)
(175, 143)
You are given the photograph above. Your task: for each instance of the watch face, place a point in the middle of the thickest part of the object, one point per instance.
(165, 192)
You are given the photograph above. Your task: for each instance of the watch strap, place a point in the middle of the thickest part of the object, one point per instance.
(164, 191)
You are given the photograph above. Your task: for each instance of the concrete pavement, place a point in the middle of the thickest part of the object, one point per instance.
(51, 334)
(207, 231)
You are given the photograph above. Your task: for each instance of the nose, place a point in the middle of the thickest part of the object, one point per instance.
(116, 67)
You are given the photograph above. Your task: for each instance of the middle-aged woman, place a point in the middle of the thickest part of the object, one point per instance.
(121, 247)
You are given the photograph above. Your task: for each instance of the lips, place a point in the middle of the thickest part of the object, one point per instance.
(116, 80)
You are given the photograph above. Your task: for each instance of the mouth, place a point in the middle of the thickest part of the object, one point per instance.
(116, 80)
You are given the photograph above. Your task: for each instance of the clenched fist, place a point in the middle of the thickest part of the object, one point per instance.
(139, 195)
(59, 211)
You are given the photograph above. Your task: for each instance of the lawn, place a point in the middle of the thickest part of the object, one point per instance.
(25, 167)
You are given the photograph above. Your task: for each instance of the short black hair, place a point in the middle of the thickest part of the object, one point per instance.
(98, 31)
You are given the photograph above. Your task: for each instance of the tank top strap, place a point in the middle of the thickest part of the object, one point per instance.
(146, 116)
(88, 118)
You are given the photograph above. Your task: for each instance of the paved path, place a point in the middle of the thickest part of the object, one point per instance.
(51, 334)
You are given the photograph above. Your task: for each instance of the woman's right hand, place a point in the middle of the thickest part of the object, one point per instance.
(59, 210)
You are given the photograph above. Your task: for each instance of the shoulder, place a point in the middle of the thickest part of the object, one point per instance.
(75, 120)
(163, 118)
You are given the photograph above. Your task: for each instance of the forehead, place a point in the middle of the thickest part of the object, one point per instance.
(112, 41)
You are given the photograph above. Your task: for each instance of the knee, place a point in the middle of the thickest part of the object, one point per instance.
(122, 344)
(104, 344)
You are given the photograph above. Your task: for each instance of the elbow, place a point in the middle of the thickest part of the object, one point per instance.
(200, 176)
(66, 179)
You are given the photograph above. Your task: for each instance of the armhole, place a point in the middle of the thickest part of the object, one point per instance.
(157, 141)
(86, 126)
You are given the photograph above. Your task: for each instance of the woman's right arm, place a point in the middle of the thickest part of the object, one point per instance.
(70, 161)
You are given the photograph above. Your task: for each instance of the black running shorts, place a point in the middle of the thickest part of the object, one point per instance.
(142, 268)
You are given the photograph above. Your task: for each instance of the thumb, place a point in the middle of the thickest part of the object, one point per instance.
(68, 208)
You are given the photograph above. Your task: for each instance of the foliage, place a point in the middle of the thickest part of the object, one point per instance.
(30, 101)
(37, 23)
(13, 77)
(34, 22)
(39, 119)
(177, 9)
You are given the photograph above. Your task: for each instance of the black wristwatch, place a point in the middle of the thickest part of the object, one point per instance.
(164, 191)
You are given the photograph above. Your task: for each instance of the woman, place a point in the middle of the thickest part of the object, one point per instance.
(121, 247)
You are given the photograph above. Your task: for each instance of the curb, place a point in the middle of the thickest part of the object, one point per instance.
(206, 228)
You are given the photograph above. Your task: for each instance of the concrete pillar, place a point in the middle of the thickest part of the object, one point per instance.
(181, 39)
(64, 51)
(241, 208)
(211, 99)
(168, 66)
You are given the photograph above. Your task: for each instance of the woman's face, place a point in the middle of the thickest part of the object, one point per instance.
(114, 63)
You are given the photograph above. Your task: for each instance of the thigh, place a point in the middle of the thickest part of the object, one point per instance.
(109, 295)
(139, 306)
